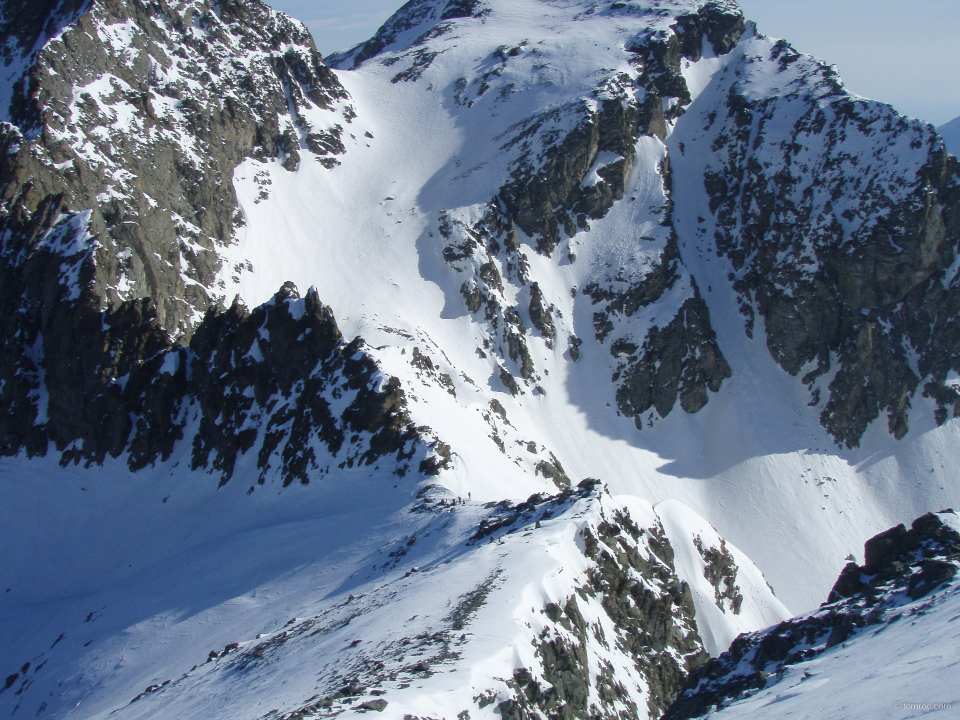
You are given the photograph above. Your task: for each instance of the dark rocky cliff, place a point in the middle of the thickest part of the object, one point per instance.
(841, 220)
(116, 171)
(901, 567)
(126, 121)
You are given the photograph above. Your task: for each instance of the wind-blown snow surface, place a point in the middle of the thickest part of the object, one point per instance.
(885, 646)
(906, 670)
(119, 581)
(218, 601)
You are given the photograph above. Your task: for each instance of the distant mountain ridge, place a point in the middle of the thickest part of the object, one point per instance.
(951, 135)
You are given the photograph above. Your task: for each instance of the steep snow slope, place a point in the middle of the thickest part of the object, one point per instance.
(369, 235)
(518, 228)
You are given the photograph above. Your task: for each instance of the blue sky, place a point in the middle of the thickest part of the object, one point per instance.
(904, 52)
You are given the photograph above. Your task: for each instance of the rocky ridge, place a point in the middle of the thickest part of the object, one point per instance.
(618, 642)
(278, 382)
(903, 569)
(840, 220)
(125, 128)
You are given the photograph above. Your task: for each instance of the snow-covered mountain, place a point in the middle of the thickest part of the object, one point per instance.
(508, 363)
(951, 135)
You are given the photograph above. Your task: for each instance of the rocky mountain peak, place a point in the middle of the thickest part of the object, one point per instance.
(318, 365)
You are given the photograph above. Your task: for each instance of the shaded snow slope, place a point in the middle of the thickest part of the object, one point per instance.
(212, 601)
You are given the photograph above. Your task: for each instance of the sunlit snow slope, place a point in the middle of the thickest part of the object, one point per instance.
(755, 460)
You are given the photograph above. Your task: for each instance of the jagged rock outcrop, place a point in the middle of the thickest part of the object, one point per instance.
(547, 192)
(633, 579)
(278, 381)
(842, 222)
(680, 360)
(660, 52)
(901, 567)
(116, 192)
(720, 570)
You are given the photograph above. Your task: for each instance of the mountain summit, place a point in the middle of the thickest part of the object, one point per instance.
(499, 365)
(951, 135)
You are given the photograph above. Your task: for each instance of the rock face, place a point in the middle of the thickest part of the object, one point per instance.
(550, 195)
(851, 276)
(853, 272)
(568, 166)
(678, 361)
(279, 382)
(138, 113)
(901, 567)
(632, 578)
(116, 166)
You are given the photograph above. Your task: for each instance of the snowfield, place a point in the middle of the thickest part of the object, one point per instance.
(158, 594)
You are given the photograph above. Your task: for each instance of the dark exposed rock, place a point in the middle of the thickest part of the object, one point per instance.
(553, 471)
(540, 315)
(849, 273)
(261, 380)
(473, 249)
(681, 360)
(659, 53)
(660, 633)
(546, 197)
(509, 382)
(111, 234)
(166, 223)
(902, 567)
(889, 556)
(720, 570)
(378, 705)
(678, 361)
(634, 580)
(545, 193)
